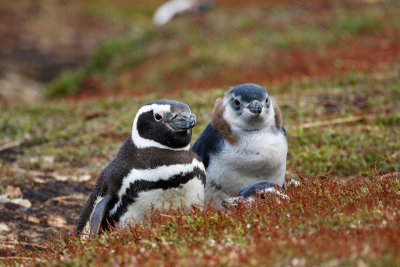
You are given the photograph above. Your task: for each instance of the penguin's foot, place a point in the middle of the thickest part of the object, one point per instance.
(250, 193)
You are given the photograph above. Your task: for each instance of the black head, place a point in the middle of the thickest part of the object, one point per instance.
(248, 106)
(165, 124)
(249, 92)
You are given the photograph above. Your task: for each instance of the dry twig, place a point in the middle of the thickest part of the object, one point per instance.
(60, 198)
(8, 145)
(332, 122)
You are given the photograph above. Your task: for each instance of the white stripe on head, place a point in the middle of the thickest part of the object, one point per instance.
(141, 142)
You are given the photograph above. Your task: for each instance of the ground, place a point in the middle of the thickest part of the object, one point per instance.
(333, 68)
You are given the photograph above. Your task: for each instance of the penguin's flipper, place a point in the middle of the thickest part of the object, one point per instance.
(98, 215)
(208, 142)
(284, 132)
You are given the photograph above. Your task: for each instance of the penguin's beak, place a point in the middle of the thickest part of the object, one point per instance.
(255, 107)
(183, 121)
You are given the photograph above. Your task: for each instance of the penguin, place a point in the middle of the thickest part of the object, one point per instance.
(245, 143)
(153, 169)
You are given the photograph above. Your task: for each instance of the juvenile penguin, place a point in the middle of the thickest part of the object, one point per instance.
(154, 168)
(244, 144)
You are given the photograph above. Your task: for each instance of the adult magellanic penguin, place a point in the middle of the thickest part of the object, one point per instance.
(244, 144)
(154, 168)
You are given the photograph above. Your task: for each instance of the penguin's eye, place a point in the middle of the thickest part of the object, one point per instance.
(267, 101)
(236, 102)
(158, 116)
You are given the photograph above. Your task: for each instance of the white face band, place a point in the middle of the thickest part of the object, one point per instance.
(141, 142)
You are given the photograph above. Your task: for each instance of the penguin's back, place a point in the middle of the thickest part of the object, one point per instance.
(209, 142)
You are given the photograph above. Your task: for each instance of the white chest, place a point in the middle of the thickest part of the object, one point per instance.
(156, 197)
(191, 193)
(259, 156)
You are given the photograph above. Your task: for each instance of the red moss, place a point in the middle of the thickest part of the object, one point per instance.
(361, 54)
(324, 220)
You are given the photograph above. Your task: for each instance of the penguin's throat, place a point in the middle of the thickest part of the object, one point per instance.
(141, 142)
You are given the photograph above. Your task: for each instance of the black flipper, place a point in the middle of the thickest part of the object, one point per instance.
(209, 142)
(283, 130)
(98, 215)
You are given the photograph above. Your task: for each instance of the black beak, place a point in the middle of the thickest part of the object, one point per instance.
(255, 107)
(183, 121)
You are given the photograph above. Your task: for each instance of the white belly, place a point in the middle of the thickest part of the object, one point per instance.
(259, 157)
(191, 193)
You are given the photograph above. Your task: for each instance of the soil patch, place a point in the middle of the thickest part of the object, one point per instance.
(54, 212)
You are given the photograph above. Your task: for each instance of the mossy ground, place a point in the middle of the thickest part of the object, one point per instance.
(334, 71)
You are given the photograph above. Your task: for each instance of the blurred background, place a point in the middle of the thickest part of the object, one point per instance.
(54, 48)
(73, 74)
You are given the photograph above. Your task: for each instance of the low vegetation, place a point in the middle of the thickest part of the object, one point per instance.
(334, 71)
(325, 222)
(234, 44)
(341, 128)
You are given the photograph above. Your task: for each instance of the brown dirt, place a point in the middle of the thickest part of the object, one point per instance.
(55, 209)
(39, 40)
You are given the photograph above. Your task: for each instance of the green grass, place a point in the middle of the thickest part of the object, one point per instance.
(80, 133)
(345, 212)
